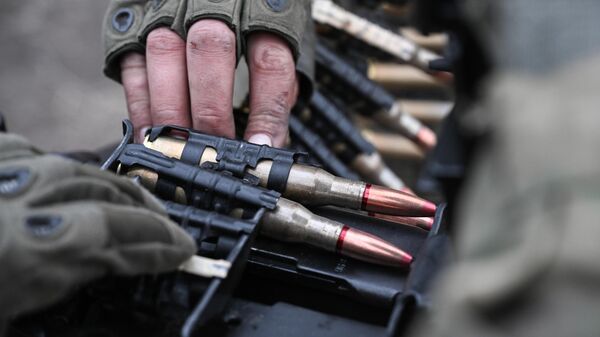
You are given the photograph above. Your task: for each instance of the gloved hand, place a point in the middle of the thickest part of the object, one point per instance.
(176, 60)
(63, 223)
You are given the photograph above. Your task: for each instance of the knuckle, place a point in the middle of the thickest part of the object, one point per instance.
(167, 113)
(133, 61)
(269, 56)
(138, 108)
(209, 117)
(270, 120)
(211, 37)
(163, 41)
(135, 84)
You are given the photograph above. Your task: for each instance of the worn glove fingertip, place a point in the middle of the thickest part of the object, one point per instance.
(185, 242)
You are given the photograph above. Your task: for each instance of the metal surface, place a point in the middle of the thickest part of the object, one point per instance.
(427, 111)
(379, 199)
(366, 247)
(292, 222)
(327, 12)
(393, 145)
(313, 186)
(397, 75)
(421, 222)
(372, 167)
(316, 187)
(408, 125)
(306, 184)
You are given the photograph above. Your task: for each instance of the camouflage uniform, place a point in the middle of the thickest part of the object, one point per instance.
(527, 250)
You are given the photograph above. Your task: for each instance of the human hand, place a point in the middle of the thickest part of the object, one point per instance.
(182, 73)
(63, 223)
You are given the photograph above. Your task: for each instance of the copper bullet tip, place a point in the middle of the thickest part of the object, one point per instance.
(379, 199)
(429, 207)
(443, 76)
(407, 190)
(426, 139)
(367, 247)
(422, 222)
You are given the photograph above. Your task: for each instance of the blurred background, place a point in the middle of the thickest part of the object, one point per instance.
(52, 89)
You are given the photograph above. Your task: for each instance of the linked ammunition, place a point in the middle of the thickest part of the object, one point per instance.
(365, 159)
(315, 145)
(327, 12)
(372, 167)
(313, 186)
(291, 222)
(383, 106)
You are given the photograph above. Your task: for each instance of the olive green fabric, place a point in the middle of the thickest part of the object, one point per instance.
(63, 223)
(527, 245)
(284, 17)
(117, 43)
(527, 237)
(305, 66)
(287, 18)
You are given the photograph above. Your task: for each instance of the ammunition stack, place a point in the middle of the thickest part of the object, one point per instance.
(329, 237)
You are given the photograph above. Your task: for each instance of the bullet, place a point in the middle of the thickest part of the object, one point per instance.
(396, 75)
(427, 111)
(291, 222)
(319, 149)
(366, 247)
(422, 222)
(383, 108)
(437, 42)
(393, 145)
(379, 199)
(374, 169)
(327, 12)
(360, 154)
(313, 186)
(396, 118)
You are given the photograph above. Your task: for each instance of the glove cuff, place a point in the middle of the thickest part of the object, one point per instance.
(128, 22)
(305, 65)
(122, 23)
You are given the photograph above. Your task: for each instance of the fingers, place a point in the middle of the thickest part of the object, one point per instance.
(273, 88)
(211, 61)
(124, 185)
(137, 95)
(78, 189)
(103, 237)
(167, 78)
(146, 242)
(191, 84)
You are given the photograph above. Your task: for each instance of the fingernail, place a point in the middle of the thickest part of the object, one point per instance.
(261, 139)
(142, 134)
